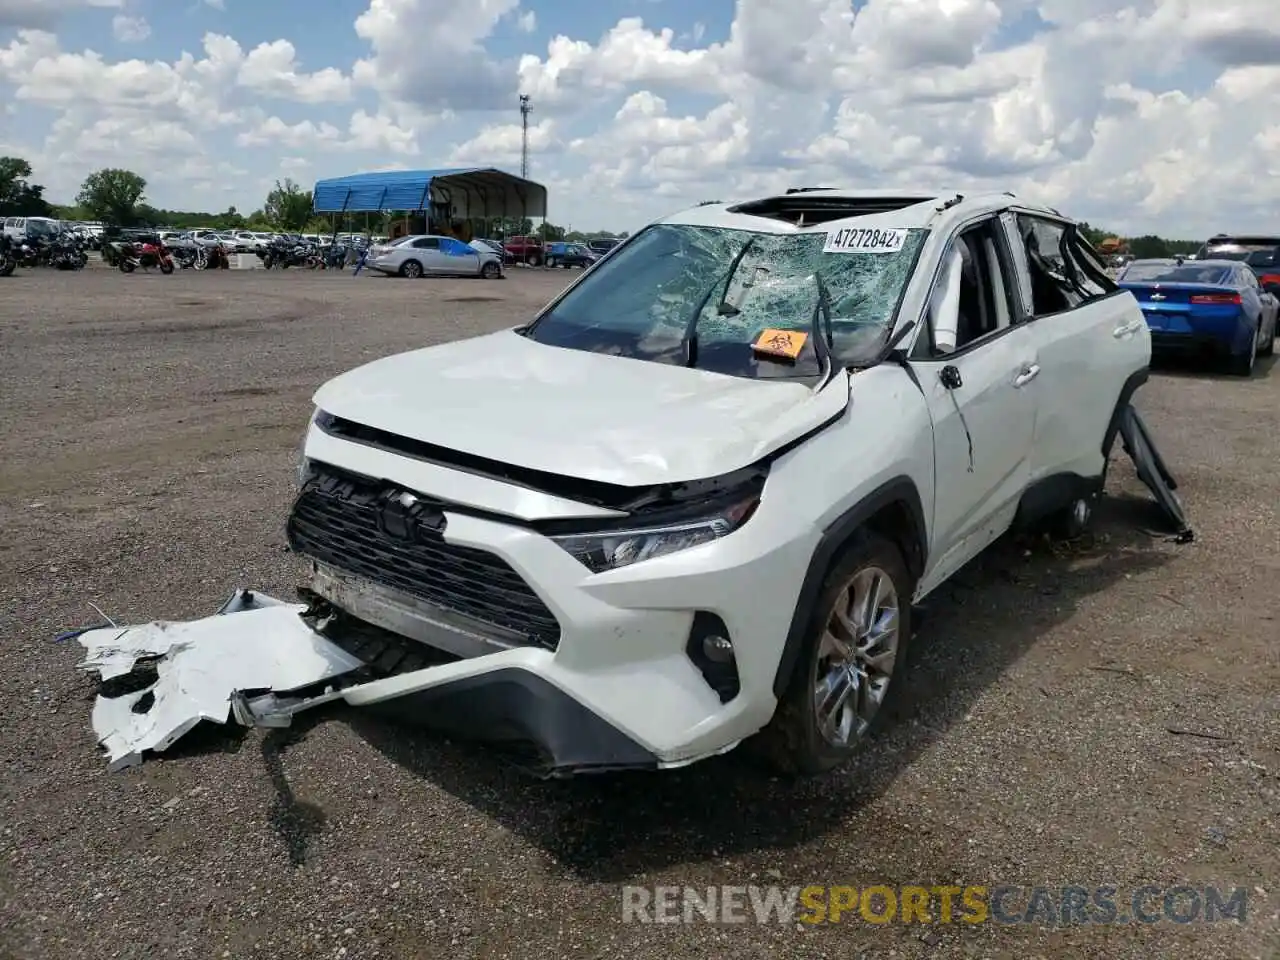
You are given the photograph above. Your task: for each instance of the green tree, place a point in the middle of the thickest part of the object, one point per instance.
(112, 195)
(288, 206)
(18, 196)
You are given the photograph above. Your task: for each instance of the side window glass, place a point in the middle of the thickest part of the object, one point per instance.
(427, 243)
(1053, 286)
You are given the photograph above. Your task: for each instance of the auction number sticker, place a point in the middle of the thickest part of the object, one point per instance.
(865, 240)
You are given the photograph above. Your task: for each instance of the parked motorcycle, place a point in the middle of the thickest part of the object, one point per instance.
(284, 252)
(32, 252)
(66, 252)
(8, 262)
(146, 253)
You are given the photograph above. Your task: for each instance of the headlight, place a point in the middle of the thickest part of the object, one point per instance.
(302, 448)
(611, 549)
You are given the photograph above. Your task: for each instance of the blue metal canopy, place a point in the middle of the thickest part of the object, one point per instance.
(471, 192)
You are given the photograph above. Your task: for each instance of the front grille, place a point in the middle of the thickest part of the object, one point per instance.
(337, 520)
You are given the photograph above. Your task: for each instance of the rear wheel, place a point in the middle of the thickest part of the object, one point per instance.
(411, 269)
(166, 267)
(551, 262)
(126, 266)
(7, 266)
(1242, 366)
(848, 665)
(1072, 521)
(1269, 347)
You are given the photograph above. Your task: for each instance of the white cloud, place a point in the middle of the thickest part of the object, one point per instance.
(130, 29)
(216, 4)
(1143, 115)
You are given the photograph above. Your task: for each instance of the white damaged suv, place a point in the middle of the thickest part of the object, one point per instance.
(693, 501)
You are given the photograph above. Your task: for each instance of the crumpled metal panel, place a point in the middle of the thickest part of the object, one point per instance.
(254, 642)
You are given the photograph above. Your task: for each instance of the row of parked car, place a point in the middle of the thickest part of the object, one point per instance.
(1221, 304)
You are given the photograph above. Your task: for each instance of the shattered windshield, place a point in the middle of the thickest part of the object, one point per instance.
(705, 297)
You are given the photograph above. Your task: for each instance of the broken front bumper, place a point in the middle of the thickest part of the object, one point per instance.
(259, 661)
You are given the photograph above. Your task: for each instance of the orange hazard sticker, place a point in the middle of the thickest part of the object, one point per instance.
(781, 343)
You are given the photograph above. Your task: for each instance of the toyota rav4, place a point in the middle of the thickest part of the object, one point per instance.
(693, 500)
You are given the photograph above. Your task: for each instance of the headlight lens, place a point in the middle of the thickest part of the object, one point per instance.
(302, 448)
(611, 549)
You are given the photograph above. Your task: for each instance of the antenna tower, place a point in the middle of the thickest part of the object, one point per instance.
(525, 110)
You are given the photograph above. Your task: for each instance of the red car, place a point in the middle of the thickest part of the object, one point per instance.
(524, 250)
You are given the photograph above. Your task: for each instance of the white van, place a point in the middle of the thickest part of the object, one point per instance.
(17, 228)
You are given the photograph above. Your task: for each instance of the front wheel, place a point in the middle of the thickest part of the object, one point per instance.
(166, 267)
(491, 271)
(849, 660)
(126, 266)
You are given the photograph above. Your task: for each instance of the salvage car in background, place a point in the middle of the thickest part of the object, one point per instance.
(560, 254)
(421, 255)
(1206, 307)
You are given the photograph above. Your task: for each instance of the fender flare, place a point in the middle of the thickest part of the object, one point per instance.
(900, 490)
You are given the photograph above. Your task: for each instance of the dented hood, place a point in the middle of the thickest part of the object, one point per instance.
(585, 415)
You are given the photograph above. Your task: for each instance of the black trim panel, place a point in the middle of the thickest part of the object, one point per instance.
(899, 490)
(1130, 387)
(546, 732)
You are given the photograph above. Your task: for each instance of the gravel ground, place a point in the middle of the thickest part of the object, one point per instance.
(150, 434)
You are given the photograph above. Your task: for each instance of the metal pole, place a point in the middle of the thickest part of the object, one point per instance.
(525, 110)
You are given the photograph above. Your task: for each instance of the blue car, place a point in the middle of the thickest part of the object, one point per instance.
(1214, 307)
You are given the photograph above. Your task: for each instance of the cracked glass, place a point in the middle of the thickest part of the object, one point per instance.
(722, 288)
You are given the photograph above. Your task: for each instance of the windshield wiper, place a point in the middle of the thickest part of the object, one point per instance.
(691, 327)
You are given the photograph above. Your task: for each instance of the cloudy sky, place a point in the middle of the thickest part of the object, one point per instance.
(1142, 115)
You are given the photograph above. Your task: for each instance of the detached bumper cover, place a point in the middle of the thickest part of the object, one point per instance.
(258, 661)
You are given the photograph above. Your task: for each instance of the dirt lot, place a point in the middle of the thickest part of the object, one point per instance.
(149, 438)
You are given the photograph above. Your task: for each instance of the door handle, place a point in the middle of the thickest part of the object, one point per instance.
(1029, 373)
(1132, 327)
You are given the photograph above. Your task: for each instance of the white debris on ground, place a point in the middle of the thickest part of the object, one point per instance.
(254, 642)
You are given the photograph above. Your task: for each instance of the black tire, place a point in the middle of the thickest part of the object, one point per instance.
(551, 263)
(1072, 521)
(411, 269)
(166, 268)
(1242, 366)
(791, 743)
(1269, 348)
(490, 271)
(534, 260)
(7, 266)
(126, 266)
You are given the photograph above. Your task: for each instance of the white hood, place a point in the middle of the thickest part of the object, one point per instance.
(579, 414)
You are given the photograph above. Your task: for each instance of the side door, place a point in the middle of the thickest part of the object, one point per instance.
(426, 250)
(458, 257)
(1090, 337)
(982, 396)
(1265, 304)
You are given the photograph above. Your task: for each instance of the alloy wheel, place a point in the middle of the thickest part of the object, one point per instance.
(856, 657)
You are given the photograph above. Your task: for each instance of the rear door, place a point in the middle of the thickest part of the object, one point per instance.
(1090, 337)
(458, 257)
(426, 250)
